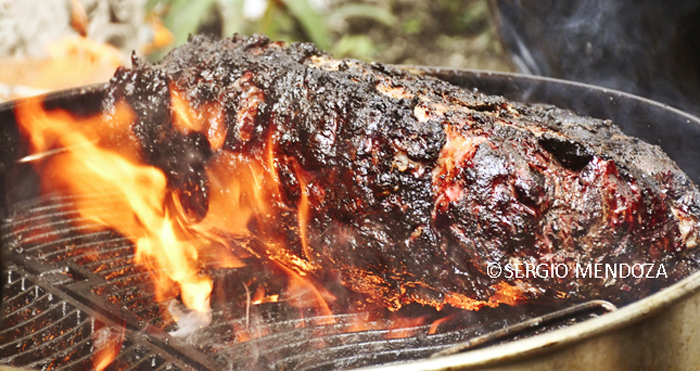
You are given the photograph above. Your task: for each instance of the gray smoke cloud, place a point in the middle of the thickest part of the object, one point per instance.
(645, 47)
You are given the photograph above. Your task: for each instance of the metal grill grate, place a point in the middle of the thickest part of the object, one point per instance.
(67, 278)
(43, 331)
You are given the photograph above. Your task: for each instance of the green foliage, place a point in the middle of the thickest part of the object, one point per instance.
(232, 15)
(355, 46)
(312, 23)
(297, 20)
(477, 11)
(465, 16)
(374, 12)
(288, 20)
(412, 26)
(185, 17)
(276, 24)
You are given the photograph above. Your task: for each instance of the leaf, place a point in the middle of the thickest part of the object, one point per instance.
(232, 14)
(175, 7)
(356, 46)
(184, 17)
(152, 4)
(275, 23)
(374, 12)
(412, 26)
(312, 23)
(475, 12)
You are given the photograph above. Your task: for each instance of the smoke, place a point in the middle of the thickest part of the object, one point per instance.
(645, 47)
(188, 322)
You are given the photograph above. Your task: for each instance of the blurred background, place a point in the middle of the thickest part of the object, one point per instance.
(646, 47)
(55, 44)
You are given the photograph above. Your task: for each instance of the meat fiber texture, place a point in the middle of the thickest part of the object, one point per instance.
(415, 187)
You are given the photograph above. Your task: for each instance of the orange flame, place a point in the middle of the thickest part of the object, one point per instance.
(434, 326)
(208, 119)
(304, 293)
(85, 167)
(401, 327)
(239, 192)
(241, 189)
(362, 322)
(107, 343)
(505, 294)
(260, 298)
(303, 210)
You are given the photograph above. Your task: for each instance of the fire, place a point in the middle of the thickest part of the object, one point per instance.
(74, 158)
(434, 326)
(303, 208)
(107, 341)
(84, 166)
(304, 293)
(208, 119)
(260, 298)
(509, 294)
(239, 192)
(401, 327)
(245, 208)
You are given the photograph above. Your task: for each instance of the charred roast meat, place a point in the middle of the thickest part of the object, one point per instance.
(412, 188)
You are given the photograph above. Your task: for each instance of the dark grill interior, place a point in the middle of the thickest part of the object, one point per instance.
(67, 280)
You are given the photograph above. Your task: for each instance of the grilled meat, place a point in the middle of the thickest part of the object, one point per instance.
(406, 188)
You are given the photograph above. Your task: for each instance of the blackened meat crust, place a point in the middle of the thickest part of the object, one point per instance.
(416, 187)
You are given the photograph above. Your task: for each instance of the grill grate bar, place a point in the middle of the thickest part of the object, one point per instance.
(64, 357)
(61, 324)
(123, 260)
(25, 295)
(80, 363)
(86, 246)
(384, 357)
(23, 291)
(124, 360)
(76, 233)
(23, 325)
(530, 324)
(121, 274)
(61, 216)
(47, 348)
(41, 213)
(64, 341)
(123, 292)
(374, 346)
